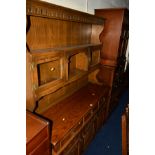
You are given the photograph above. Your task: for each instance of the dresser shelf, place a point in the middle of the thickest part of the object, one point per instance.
(67, 48)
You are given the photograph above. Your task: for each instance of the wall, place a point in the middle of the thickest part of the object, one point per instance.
(74, 4)
(90, 5)
(97, 4)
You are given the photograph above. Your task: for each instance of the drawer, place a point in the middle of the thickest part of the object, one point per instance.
(67, 138)
(78, 126)
(49, 71)
(101, 117)
(87, 116)
(94, 109)
(102, 102)
(36, 141)
(42, 149)
(88, 133)
(72, 148)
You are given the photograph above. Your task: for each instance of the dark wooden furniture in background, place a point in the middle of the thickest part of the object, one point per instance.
(125, 131)
(63, 60)
(113, 54)
(37, 135)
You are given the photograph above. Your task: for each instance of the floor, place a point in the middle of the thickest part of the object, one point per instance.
(108, 140)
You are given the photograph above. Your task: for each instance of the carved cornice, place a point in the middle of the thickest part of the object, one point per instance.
(48, 10)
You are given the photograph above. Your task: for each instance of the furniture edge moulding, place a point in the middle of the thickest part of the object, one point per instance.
(49, 10)
(67, 50)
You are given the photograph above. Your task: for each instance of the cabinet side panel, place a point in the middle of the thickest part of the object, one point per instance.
(30, 102)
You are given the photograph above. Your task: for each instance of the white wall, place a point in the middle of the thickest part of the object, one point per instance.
(90, 5)
(97, 4)
(73, 4)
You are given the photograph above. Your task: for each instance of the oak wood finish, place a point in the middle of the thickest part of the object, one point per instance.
(30, 98)
(63, 49)
(115, 39)
(73, 113)
(125, 131)
(37, 135)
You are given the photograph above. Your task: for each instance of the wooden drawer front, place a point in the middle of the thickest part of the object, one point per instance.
(72, 148)
(36, 141)
(95, 122)
(49, 71)
(81, 145)
(56, 147)
(66, 138)
(87, 116)
(42, 149)
(95, 109)
(78, 126)
(88, 134)
(102, 101)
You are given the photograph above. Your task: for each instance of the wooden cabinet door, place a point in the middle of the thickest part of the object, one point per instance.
(72, 149)
(88, 133)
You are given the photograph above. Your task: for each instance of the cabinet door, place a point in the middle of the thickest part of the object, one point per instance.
(72, 149)
(88, 133)
(101, 117)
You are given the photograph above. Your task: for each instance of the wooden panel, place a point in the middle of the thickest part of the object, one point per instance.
(88, 134)
(77, 64)
(60, 94)
(95, 57)
(68, 112)
(42, 148)
(106, 75)
(47, 33)
(72, 148)
(111, 34)
(101, 116)
(42, 33)
(96, 31)
(125, 131)
(115, 40)
(37, 135)
(30, 98)
(49, 100)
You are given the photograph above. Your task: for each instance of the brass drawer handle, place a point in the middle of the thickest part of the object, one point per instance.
(52, 69)
(91, 105)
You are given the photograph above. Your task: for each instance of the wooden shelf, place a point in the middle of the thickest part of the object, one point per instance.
(67, 48)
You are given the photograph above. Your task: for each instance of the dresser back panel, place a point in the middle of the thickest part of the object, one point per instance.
(47, 33)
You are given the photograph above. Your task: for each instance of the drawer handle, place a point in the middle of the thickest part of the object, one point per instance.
(91, 105)
(52, 69)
